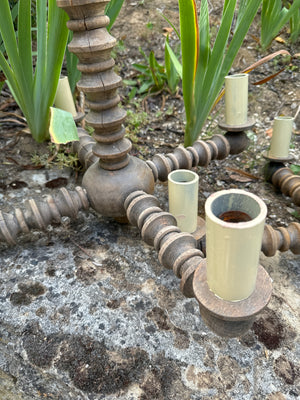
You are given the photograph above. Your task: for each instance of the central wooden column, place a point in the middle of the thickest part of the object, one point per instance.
(109, 181)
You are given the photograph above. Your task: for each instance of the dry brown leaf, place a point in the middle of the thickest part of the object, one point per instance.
(4, 114)
(168, 29)
(15, 121)
(242, 173)
(266, 354)
(255, 65)
(255, 38)
(268, 78)
(265, 59)
(269, 132)
(297, 113)
(240, 178)
(27, 131)
(279, 39)
(7, 103)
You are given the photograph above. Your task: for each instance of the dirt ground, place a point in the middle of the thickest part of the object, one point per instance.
(158, 126)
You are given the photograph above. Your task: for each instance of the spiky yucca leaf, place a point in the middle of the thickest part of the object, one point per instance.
(112, 10)
(189, 49)
(295, 26)
(273, 19)
(213, 64)
(34, 91)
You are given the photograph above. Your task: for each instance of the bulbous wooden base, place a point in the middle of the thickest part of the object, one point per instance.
(230, 318)
(107, 190)
(238, 141)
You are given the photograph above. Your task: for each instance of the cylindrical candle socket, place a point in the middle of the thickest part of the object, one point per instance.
(235, 222)
(63, 98)
(236, 99)
(183, 198)
(281, 137)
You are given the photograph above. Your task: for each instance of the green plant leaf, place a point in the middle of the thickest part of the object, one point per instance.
(219, 49)
(295, 168)
(72, 61)
(242, 9)
(246, 18)
(129, 82)
(112, 11)
(153, 68)
(24, 38)
(273, 18)
(295, 26)
(8, 35)
(216, 63)
(170, 23)
(153, 75)
(17, 81)
(189, 49)
(205, 84)
(57, 36)
(174, 60)
(132, 93)
(140, 67)
(14, 14)
(172, 75)
(204, 38)
(62, 127)
(145, 87)
(34, 93)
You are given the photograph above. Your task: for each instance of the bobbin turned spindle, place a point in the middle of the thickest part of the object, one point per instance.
(108, 181)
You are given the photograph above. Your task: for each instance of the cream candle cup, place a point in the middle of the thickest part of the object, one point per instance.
(281, 137)
(63, 98)
(236, 99)
(235, 221)
(183, 198)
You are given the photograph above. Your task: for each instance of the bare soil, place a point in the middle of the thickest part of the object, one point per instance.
(158, 122)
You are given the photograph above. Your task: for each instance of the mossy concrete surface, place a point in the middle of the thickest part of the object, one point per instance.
(87, 312)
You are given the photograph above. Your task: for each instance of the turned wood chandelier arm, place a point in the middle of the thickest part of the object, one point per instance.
(288, 183)
(275, 239)
(40, 214)
(84, 149)
(176, 250)
(201, 153)
(282, 239)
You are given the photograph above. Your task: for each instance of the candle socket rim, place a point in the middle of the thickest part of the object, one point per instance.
(184, 183)
(239, 75)
(219, 313)
(237, 128)
(284, 118)
(260, 214)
